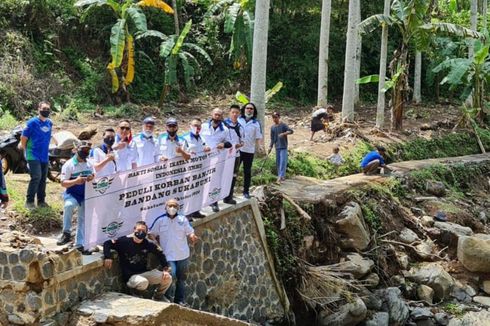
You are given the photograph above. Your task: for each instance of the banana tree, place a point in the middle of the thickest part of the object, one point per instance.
(471, 73)
(121, 67)
(238, 21)
(176, 53)
(409, 17)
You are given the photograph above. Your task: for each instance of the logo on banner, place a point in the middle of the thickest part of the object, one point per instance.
(213, 194)
(112, 228)
(102, 185)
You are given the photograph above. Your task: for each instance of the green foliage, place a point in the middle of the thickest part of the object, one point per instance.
(7, 120)
(70, 113)
(370, 215)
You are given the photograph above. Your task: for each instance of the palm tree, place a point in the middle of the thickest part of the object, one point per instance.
(380, 111)
(259, 57)
(323, 53)
(350, 59)
(357, 72)
(409, 17)
(417, 97)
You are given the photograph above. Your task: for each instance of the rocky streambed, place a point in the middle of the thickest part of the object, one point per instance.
(409, 249)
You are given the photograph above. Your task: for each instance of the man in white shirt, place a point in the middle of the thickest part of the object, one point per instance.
(169, 144)
(144, 144)
(102, 157)
(74, 174)
(216, 136)
(124, 152)
(253, 137)
(172, 231)
(236, 134)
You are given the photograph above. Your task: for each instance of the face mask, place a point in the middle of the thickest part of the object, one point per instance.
(195, 130)
(147, 133)
(171, 211)
(171, 133)
(216, 121)
(140, 234)
(109, 141)
(44, 114)
(83, 154)
(249, 114)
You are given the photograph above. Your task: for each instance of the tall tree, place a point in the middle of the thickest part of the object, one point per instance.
(176, 17)
(259, 57)
(473, 26)
(350, 59)
(380, 111)
(417, 97)
(323, 53)
(357, 72)
(484, 14)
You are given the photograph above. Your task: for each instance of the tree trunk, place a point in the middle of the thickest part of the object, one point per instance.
(473, 23)
(400, 88)
(259, 57)
(485, 14)
(380, 111)
(322, 96)
(357, 73)
(176, 17)
(417, 97)
(350, 59)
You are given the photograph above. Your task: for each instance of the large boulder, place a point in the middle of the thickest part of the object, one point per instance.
(349, 314)
(434, 276)
(379, 319)
(352, 225)
(474, 252)
(394, 304)
(472, 318)
(435, 188)
(450, 232)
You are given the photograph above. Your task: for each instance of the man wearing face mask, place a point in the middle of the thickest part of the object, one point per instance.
(102, 157)
(74, 174)
(237, 133)
(35, 142)
(217, 136)
(133, 257)
(172, 231)
(145, 145)
(123, 149)
(169, 144)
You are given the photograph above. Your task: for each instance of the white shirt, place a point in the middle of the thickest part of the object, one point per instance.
(166, 147)
(213, 136)
(98, 156)
(192, 144)
(253, 132)
(173, 234)
(234, 137)
(125, 157)
(145, 149)
(73, 168)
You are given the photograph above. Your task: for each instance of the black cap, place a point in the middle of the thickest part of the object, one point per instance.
(171, 122)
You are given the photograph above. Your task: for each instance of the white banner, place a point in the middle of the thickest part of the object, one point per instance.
(114, 203)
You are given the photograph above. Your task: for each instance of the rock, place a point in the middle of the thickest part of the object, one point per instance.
(482, 300)
(408, 236)
(425, 322)
(372, 301)
(425, 248)
(483, 217)
(417, 211)
(425, 198)
(379, 319)
(471, 318)
(453, 228)
(397, 280)
(434, 276)
(460, 294)
(349, 315)
(435, 188)
(441, 318)
(427, 220)
(486, 286)
(371, 281)
(425, 293)
(355, 264)
(474, 252)
(395, 305)
(470, 291)
(420, 313)
(352, 225)
(308, 242)
(402, 259)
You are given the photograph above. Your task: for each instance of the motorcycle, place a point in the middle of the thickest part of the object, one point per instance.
(14, 160)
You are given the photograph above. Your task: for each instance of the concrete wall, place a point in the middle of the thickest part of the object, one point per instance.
(231, 270)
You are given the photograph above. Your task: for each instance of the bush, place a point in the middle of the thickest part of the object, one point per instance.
(7, 121)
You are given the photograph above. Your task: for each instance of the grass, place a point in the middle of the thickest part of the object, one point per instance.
(8, 121)
(454, 309)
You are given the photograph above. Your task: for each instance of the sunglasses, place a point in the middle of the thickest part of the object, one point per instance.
(172, 126)
(125, 128)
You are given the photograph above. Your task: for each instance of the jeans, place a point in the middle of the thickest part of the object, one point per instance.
(247, 159)
(37, 185)
(179, 274)
(281, 162)
(70, 204)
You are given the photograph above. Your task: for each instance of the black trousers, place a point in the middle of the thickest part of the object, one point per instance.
(235, 174)
(247, 159)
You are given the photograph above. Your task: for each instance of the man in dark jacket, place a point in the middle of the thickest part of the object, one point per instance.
(279, 139)
(133, 259)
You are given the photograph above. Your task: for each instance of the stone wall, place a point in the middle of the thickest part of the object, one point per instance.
(231, 271)
(36, 282)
